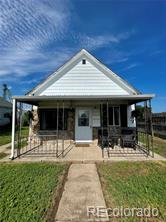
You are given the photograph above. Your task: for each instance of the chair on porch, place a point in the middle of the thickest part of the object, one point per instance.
(109, 137)
(128, 137)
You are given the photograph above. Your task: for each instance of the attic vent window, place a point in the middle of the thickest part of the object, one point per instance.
(83, 61)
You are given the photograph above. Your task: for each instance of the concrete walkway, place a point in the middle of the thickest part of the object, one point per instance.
(4, 147)
(81, 190)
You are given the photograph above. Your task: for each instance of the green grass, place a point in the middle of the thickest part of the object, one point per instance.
(135, 184)
(159, 146)
(5, 135)
(2, 155)
(26, 190)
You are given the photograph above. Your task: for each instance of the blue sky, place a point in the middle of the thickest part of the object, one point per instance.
(128, 36)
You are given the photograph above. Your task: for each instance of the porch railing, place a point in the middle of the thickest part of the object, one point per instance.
(131, 142)
(145, 141)
(42, 145)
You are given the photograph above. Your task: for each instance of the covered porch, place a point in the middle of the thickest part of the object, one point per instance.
(68, 126)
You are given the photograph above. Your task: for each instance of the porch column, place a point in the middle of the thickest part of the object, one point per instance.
(101, 117)
(146, 126)
(57, 131)
(136, 124)
(19, 128)
(13, 128)
(151, 127)
(108, 131)
(63, 137)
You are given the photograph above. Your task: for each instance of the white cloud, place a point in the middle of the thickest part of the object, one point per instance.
(95, 42)
(29, 28)
(129, 66)
(16, 63)
(26, 28)
(36, 21)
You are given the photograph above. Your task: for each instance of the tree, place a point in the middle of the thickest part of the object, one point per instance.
(27, 116)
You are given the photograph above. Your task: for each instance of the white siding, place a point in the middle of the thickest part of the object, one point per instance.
(84, 80)
(130, 120)
(3, 120)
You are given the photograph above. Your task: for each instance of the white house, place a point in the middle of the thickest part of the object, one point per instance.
(81, 100)
(5, 112)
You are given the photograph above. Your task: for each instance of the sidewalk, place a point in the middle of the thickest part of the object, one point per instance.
(4, 147)
(81, 190)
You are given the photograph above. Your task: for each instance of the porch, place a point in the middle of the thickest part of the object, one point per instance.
(110, 129)
(86, 154)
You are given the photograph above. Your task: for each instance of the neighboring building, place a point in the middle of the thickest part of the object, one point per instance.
(5, 112)
(80, 99)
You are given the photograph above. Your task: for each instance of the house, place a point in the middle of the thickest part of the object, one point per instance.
(83, 101)
(5, 112)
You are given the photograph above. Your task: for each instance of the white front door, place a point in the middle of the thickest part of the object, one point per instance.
(83, 127)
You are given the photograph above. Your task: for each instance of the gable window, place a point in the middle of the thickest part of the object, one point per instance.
(83, 61)
(48, 119)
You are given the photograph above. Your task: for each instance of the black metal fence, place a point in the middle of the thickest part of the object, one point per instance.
(42, 145)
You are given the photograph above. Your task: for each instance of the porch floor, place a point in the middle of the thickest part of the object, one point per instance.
(88, 154)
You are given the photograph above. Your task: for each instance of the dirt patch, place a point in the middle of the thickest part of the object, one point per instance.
(51, 213)
(103, 187)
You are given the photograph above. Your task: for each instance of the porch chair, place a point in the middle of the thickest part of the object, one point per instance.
(128, 137)
(103, 138)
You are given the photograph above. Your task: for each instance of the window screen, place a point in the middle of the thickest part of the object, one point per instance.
(48, 119)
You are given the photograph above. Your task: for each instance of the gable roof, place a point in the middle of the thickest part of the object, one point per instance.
(84, 54)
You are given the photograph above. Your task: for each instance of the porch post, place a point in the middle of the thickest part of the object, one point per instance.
(63, 116)
(13, 128)
(146, 128)
(108, 126)
(20, 127)
(136, 125)
(151, 127)
(57, 132)
(101, 115)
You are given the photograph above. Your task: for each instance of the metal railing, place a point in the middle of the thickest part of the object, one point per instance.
(145, 141)
(42, 145)
(139, 142)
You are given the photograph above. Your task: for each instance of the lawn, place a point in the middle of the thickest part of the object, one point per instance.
(27, 190)
(2, 155)
(135, 184)
(5, 135)
(159, 146)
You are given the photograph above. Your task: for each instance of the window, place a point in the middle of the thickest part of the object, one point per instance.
(7, 115)
(48, 119)
(83, 61)
(114, 116)
(111, 116)
(83, 118)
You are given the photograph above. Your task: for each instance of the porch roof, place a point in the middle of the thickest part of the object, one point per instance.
(132, 99)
